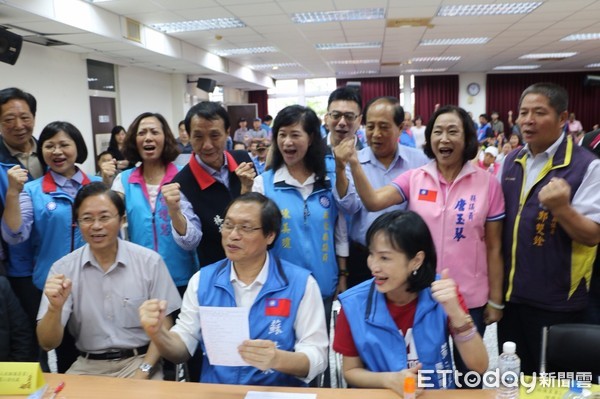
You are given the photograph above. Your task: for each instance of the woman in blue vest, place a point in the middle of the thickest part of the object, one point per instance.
(398, 323)
(43, 209)
(301, 185)
(150, 141)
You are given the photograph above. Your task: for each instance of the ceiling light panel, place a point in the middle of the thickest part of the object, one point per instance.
(425, 70)
(244, 51)
(271, 66)
(455, 42)
(539, 56)
(581, 36)
(345, 46)
(435, 59)
(596, 65)
(464, 10)
(353, 62)
(515, 67)
(349, 73)
(201, 24)
(361, 14)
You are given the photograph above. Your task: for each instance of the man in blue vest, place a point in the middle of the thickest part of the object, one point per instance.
(552, 227)
(18, 147)
(288, 342)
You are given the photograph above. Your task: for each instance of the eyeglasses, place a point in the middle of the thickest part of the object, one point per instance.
(228, 227)
(88, 220)
(349, 116)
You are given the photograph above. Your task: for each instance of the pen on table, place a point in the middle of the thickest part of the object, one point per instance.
(57, 390)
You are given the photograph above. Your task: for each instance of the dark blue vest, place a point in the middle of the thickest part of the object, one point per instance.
(543, 267)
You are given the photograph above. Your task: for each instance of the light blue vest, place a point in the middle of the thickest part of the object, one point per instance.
(153, 230)
(55, 232)
(380, 345)
(307, 229)
(285, 281)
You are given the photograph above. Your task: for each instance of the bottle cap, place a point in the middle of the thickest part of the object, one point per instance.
(410, 385)
(509, 347)
(575, 387)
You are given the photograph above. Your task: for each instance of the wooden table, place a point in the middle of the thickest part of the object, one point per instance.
(86, 387)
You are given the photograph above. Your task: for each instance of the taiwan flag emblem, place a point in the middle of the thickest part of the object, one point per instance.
(427, 195)
(278, 307)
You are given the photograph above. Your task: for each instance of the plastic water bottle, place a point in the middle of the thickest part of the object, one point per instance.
(575, 392)
(509, 366)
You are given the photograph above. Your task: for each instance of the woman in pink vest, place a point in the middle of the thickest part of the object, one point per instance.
(463, 207)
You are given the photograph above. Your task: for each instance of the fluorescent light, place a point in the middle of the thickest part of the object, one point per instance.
(596, 65)
(540, 56)
(360, 14)
(463, 10)
(581, 36)
(271, 66)
(201, 24)
(455, 41)
(435, 59)
(353, 62)
(244, 51)
(515, 67)
(342, 46)
(369, 72)
(425, 70)
(292, 76)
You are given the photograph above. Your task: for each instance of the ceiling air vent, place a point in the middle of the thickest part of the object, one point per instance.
(134, 30)
(409, 22)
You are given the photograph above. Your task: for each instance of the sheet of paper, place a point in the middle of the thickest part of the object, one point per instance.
(279, 395)
(223, 330)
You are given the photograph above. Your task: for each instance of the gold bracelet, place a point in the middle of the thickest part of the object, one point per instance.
(343, 272)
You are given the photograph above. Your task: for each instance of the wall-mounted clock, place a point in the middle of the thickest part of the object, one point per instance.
(473, 89)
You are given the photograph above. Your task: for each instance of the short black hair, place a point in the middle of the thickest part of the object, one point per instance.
(408, 233)
(270, 214)
(98, 188)
(471, 143)
(486, 116)
(267, 118)
(557, 96)
(208, 110)
(12, 93)
(170, 149)
(314, 160)
(393, 101)
(102, 154)
(346, 94)
(52, 129)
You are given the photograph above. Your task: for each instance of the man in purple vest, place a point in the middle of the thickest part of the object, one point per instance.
(552, 227)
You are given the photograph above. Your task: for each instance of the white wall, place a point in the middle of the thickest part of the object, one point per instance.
(58, 80)
(474, 104)
(141, 90)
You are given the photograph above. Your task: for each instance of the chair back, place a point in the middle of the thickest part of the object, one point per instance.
(572, 348)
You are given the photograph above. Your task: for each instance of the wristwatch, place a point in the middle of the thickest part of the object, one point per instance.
(146, 368)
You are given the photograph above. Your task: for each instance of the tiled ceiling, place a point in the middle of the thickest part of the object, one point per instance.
(268, 23)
